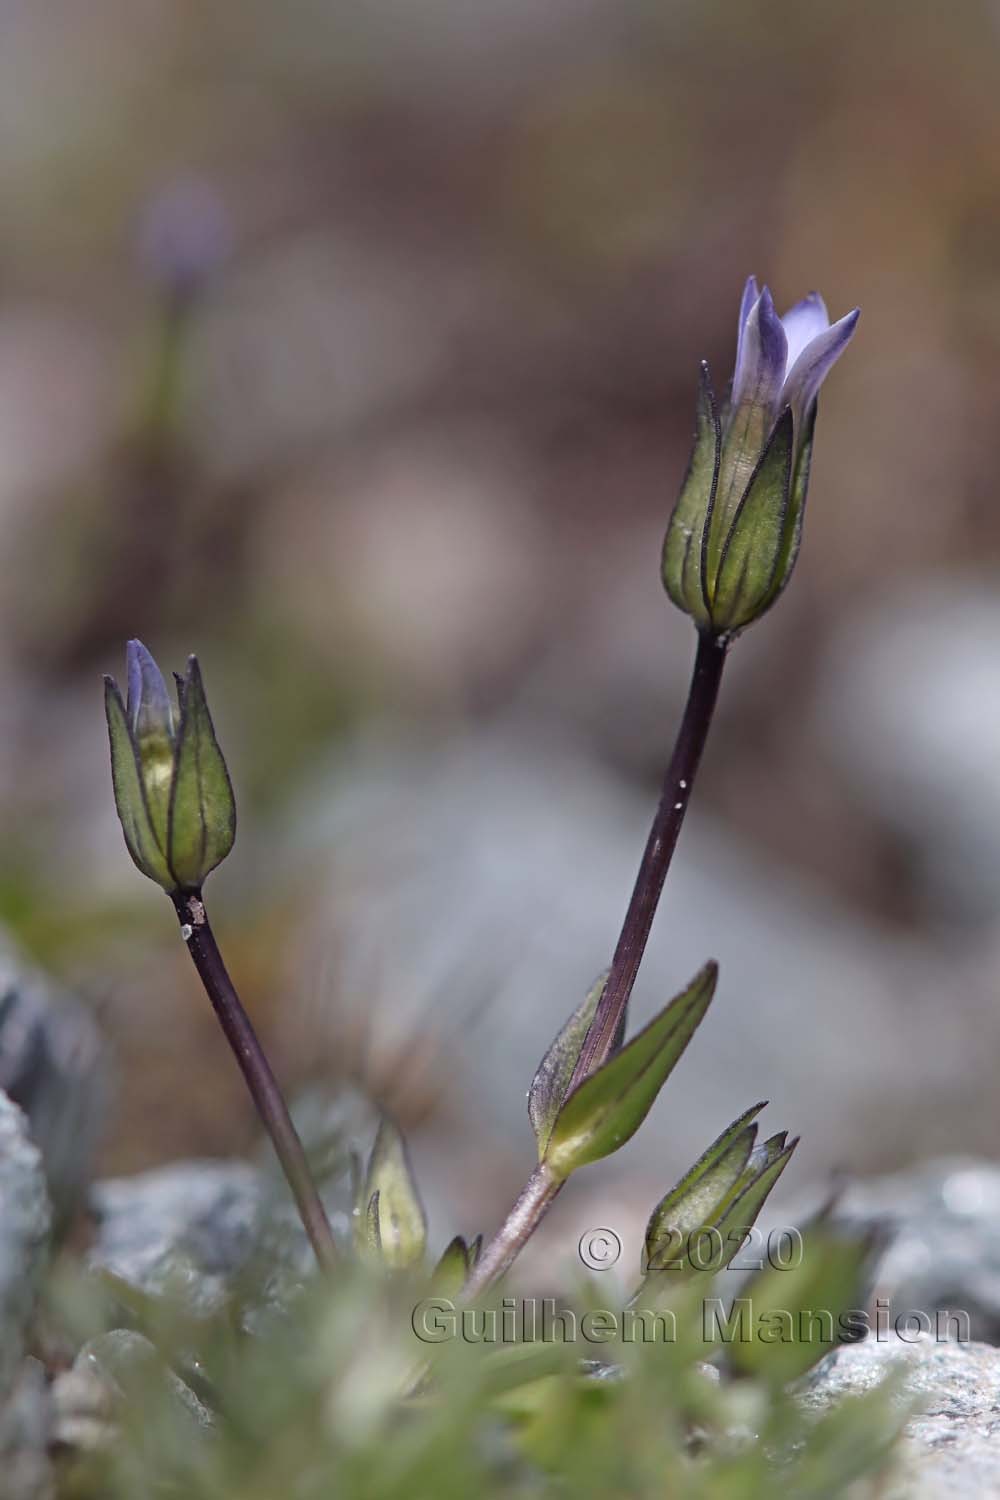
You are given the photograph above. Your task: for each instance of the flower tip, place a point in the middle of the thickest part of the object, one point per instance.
(844, 329)
(147, 691)
(135, 651)
(136, 656)
(138, 660)
(192, 673)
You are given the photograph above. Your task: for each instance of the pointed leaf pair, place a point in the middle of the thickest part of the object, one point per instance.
(607, 1108)
(697, 1197)
(724, 1191)
(552, 1079)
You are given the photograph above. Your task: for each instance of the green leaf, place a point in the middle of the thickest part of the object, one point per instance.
(202, 820)
(397, 1225)
(702, 1190)
(683, 545)
(801, 1313)
(549, 1085)
(749, 560)
(607, 1108)
(130, 795)
(751, 1192)
(451, 1271)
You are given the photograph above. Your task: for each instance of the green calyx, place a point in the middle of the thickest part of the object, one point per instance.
(734, 534)
(172, 788)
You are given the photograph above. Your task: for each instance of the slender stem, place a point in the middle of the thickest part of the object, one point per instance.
(541, 1187)
(256, 1070)
(520, 1224)
(677, 784)
(532, 1204)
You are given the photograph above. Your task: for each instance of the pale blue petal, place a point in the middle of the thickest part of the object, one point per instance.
(803, 323)
(750, 295)
(761, 366)
(814, 364)
(149, 710)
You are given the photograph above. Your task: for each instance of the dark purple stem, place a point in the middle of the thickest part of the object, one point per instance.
(660, 845)
(256, 1070)
(533, 1203)
(541, 1188)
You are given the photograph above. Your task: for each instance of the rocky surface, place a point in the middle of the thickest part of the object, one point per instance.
(24, 1234)
(25, 1435)
(200, 1230)
(468, 894)
(110, 1367)
(942, 1252)
(24, 1238)
(188, 1228)
(52, 1064)
(906, 703)
(951, 1450)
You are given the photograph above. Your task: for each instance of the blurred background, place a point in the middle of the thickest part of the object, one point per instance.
(355, 348)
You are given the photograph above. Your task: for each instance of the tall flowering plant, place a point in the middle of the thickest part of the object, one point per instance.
(730, 548)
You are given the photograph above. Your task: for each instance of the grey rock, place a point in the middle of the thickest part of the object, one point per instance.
(25, 1433)
(943, 1251)
(24, 1234)
(53, 1064)
(907, 702)
(468, 893)
(83, 1411)
(951, 1449)
(194, 1230)
(108, 1368)
(187, 1229)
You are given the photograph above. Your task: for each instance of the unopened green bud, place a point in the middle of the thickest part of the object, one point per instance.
(703, 1221)
(172, 788)
(452, 1270)
(391, 1225)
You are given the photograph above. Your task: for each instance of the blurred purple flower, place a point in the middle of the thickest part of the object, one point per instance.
(185, 234)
